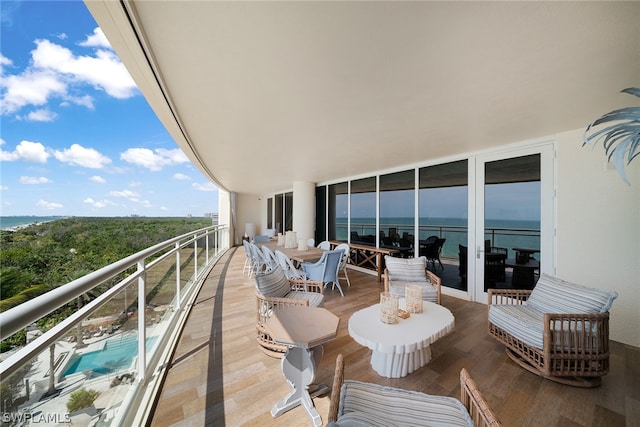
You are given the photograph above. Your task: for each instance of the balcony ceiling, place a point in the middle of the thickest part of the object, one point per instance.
(262, 94)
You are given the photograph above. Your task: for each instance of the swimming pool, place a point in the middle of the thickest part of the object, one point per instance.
(115, 356)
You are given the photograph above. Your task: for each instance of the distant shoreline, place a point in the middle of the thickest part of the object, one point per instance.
(19, 222)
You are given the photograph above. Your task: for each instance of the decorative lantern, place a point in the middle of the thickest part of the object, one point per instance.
(413, 298)
(388, 307)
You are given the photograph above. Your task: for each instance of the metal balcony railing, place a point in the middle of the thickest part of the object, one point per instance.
(112, 351)
(507, 237)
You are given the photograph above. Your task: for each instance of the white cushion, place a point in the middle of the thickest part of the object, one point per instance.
(315, 299)
(553, 295)
(406, 269)
(429, 292)
(521, 321)
(273, 283)
(380, 405)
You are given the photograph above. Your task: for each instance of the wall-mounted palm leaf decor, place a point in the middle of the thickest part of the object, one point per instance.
(619, 132)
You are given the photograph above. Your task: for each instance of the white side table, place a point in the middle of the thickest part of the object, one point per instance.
(401, 348)
(303, 330)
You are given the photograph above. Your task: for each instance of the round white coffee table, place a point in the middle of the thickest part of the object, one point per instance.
(401, 348)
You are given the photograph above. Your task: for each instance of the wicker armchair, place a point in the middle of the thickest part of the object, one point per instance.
(275, 292)
(372, 404)
(400, 272)
(559, 330)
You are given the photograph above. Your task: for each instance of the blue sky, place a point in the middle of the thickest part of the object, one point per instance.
(76, 135)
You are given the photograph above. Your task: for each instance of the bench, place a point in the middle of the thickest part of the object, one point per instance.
(559, 330)
(367, 256)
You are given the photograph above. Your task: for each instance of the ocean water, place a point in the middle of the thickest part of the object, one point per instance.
(502, 233)
(13, 222)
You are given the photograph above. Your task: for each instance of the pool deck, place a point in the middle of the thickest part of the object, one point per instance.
(38, 377)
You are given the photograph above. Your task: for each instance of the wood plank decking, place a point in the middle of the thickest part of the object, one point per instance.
(220, 377)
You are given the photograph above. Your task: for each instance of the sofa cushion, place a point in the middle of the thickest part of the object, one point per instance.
(521, 321)
(429, 292)
(272, 283)
(315, 299)
(553, 295)
(406, 269)
(380, 405)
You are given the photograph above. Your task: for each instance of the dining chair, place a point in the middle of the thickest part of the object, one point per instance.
(324, 245)
(325, 269)
(290, 270)
(258, 262)
(269, 257)
(343, 262)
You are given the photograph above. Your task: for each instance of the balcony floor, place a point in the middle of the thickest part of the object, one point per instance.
(219, 376)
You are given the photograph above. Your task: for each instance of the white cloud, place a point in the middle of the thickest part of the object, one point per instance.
(4, 61)
(80, 156)
(98, 179)
(181, 176)
(175, 156)
(205, 186)
(34, 180)
(127, 194)
(98, 203)
(42, 115)
(97, 39)
(164, 208)
(32, 87)
(27, 151)
(48, 205)
(104, 71)
(3, 188)
(85, 101)
(55, 70)
(154, 161)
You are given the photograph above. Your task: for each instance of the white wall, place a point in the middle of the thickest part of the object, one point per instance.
(251, 209)
(598, 230)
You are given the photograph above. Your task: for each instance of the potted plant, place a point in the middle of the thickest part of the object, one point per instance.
(619, 132)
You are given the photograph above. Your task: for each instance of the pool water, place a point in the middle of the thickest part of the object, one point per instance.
(115, 356)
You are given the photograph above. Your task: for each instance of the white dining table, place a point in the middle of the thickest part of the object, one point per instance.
(311, 254)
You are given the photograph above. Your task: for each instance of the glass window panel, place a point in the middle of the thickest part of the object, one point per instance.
(363, 211)
(397, 211)
(321, 214)
(288, 211)
(279, 226)
(338, 208)
(270, 212)
(443, 212)
(512, 203)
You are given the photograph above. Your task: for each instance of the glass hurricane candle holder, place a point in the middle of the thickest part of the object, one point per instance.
(388, 307)
(413, 298)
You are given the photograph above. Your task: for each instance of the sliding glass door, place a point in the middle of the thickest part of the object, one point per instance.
(512, 218)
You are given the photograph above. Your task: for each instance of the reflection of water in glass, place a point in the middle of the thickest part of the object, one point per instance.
(116, 355)
(453, 229)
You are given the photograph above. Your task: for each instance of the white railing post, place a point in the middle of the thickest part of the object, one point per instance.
(206, 243)
(195, 256)
(178, 270)
(142, 330)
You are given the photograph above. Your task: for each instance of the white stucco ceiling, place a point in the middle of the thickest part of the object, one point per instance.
(261, 94)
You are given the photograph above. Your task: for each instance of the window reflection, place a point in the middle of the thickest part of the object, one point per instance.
(338, 211)
(363, 211)
(443, 210)
(397, 211)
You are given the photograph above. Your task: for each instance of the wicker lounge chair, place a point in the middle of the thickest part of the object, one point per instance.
(359, 403)
(400, 272)
(275, 292)
(559, 330)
